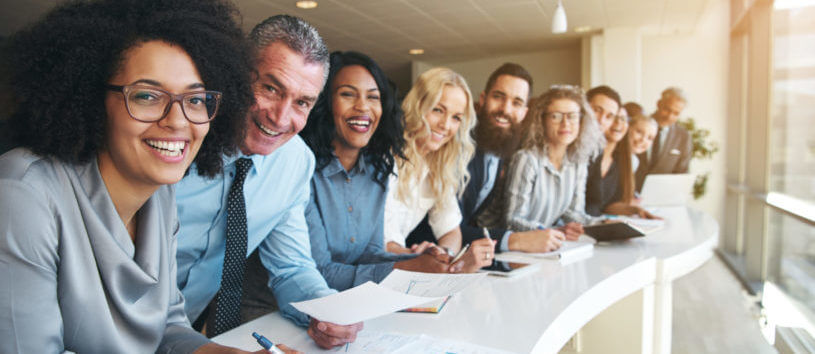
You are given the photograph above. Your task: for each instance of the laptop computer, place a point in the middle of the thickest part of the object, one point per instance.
(667, 189)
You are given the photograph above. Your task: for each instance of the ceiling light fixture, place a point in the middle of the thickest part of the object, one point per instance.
(306, 4)
(417, 51)
(559, 19)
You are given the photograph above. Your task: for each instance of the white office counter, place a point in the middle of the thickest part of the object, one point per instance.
(620, 297)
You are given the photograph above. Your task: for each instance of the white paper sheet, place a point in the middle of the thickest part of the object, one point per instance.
(647, 226)
(568, 250)
(389, 342)
(358, 304)
(428, 284)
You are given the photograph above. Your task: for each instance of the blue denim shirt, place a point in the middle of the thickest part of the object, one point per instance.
(345, 222)
(277, 193)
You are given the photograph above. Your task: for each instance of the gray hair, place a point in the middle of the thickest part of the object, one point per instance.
(297, 34)
(673, 92)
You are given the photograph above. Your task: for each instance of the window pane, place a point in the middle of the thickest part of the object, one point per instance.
(792, 140)
(792, 259)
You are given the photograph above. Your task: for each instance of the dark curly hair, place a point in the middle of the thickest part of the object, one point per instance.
(388, 140)
(59, 68)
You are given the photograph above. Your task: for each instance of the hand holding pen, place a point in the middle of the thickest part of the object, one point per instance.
(271, 347)
(474, 256)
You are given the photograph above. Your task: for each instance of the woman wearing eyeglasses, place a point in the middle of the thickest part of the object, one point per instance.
(546, 181)
(115, 100)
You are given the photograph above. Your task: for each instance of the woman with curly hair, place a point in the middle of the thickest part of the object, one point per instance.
(355, 129)
(115, 100)
(546, 178)
(439, 116)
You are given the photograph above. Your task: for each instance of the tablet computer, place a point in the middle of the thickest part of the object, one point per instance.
(612, 231)
(509, 269)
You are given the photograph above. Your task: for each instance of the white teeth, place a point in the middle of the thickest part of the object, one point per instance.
(502, 120)
(438, 135)
(168, 148)
(267, 130)
(359, 122)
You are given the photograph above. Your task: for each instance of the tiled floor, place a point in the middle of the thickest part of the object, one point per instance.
(711, 315)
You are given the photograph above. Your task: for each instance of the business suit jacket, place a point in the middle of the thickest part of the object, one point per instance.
(471, 202)
(673, 156)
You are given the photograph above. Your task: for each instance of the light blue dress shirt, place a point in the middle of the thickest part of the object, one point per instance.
(345, 222)
(277, 193)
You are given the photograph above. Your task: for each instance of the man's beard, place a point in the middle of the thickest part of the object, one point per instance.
(499, 141)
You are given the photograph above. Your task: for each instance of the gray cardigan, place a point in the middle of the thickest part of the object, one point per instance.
(72, 279)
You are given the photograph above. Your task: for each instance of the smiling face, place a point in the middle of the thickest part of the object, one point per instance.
(285, 91)
(642, 134)
(444, 118)
(565, 132)
(668, 111)
(605, 109)
(356, 107)
(618, 127)
(156, 153)
(505, 103)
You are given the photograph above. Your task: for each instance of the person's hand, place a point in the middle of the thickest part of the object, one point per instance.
(428, 262)
(439, 253)
(283, 348)
(215, 348)
(572, 230)
(394, 247)
(645, 214)
(478, 256)
(421, 247)
(328, 335)
(536, 241)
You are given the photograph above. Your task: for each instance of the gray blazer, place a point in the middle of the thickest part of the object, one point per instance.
(673, 156)
(72, 279)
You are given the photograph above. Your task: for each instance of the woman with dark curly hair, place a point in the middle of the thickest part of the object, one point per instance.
(88, 219)
(355, 130)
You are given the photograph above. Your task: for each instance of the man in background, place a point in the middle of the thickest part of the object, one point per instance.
(671, 151)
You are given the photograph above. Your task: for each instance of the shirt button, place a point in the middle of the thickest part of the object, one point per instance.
(352, 240)
(350, 209)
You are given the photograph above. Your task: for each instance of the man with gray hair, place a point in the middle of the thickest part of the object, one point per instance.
(672, 146)
(256, 206)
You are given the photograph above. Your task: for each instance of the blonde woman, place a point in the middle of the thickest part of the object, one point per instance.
(439, 116)
(546, 181)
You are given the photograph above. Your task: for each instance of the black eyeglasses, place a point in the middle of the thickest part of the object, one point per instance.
(558, 117)
(149, 104)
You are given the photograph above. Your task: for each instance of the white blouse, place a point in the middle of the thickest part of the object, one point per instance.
(401, 217)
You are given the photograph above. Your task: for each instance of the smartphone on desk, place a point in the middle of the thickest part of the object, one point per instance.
(509, 269)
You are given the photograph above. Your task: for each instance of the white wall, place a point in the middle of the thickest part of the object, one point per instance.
(698, 64)
(548, 67)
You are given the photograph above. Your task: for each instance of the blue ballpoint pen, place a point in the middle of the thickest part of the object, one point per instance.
(266, 343)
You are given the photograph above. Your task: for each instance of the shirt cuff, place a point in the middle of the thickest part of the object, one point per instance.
(504, 247)
(180, 339)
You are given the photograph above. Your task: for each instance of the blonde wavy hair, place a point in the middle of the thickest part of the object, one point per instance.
(590, 140)
(447, 166)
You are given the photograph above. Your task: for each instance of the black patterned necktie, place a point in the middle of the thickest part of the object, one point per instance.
(228, 301)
